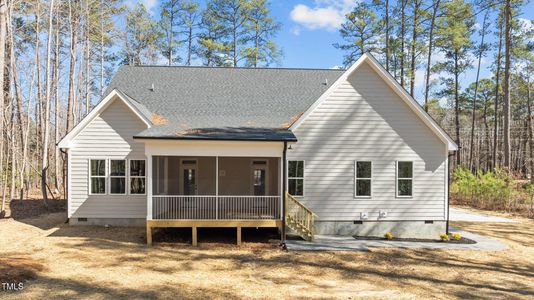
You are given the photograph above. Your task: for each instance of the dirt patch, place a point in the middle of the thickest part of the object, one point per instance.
(18, 269)
(30, 208)
(101, 263)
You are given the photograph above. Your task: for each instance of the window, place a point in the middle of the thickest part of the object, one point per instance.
(404, 179)
(295, 177)
(117, 176)
(137, 177)
(363, 178)
(97, 175)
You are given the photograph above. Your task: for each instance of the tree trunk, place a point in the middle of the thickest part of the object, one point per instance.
(38, 103)
(506, 86)
(414, 41)
(13, 151)
(189, 44)
(101, 48)
(457, 107)
(487, 136)
(387, 34)
(87, 59)
(56, 106)
(474, 108)
(496, 112)
(44, 167)
(403, 29)
(529, 128)
(171, 36)
(429, 56)
(3, 30)
(73, 42)
(20, 109)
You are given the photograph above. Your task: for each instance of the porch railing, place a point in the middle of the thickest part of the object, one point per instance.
(181, 207)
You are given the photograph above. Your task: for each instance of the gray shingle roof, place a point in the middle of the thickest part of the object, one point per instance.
(241, 103)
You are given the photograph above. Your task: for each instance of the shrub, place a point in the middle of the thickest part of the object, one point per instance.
(388, 236)
(492, 190)
(444, 237)
(456, 236)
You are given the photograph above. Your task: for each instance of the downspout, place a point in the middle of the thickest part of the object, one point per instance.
(284, 176)
(65, 179)
(449, 186)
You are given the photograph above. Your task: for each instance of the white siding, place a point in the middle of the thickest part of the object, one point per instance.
(108, 136)
(363, 119)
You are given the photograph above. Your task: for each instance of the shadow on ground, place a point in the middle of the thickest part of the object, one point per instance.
(98, 262)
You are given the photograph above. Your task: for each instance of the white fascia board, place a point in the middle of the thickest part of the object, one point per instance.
(391, 82)
(97, 110)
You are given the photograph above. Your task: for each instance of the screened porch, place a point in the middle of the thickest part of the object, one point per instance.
(215, 188)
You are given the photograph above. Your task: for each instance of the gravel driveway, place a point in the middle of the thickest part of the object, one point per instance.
(464, 215)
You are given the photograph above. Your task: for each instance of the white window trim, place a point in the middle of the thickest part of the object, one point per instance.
(98, 176)
(397, 179)
(356, 178)
(303, 176)
(125, 177)
(130, 177)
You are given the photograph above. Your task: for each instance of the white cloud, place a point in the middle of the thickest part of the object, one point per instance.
(336, 67)
(325, 14)
(295, 31)
(149, 4)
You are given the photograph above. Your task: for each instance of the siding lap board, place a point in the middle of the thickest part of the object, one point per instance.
(108, 136)
(364, 119)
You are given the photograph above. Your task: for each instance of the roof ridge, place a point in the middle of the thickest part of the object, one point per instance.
(234, 68)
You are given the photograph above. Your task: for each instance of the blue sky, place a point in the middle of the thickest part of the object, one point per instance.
(310, 27)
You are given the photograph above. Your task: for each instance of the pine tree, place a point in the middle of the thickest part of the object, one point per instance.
(141, 36)
(189, 23)
(263, 49)
(169, 22)
(211, 48)
(360, 32)
(231, 17)
(454, 32)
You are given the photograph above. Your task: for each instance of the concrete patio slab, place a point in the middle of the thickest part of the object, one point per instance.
(348, 243)
(459, 214)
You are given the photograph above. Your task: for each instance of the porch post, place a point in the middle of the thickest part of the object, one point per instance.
(148, 188)
(216, 187)
(284, 190)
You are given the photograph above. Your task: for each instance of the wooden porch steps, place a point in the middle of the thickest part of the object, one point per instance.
(299, 218)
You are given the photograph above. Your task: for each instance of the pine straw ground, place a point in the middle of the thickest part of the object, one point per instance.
(60, 261)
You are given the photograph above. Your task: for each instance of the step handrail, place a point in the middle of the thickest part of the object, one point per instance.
(297, 202)
(303, 216)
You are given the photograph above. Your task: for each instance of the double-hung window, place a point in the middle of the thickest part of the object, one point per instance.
(404, 178)
(363, 178)
(97, 182)
(295, 177)
(137, 177)
(117, 176)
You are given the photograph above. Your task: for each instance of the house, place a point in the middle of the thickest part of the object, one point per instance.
(314, 151)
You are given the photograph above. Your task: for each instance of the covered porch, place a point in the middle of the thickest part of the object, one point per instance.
(233, 186)
(215, 188)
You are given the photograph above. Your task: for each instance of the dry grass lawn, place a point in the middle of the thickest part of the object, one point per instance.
(60, 261)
